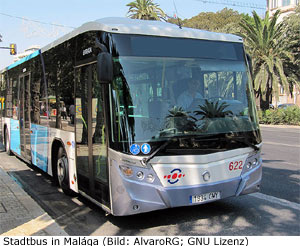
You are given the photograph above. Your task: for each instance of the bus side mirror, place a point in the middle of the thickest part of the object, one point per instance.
(105, 67)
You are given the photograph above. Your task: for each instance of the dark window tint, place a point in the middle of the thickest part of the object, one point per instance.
(59, 66)
(134, 45)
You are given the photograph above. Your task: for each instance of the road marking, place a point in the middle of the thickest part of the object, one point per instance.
(265, 164)
(276, 200)
(31, 227)
(281, 144)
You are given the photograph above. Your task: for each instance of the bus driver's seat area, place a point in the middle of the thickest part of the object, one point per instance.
(154, 107)
(159, 106)
(180, 86)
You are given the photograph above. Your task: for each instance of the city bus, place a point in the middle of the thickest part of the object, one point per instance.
(136, 115)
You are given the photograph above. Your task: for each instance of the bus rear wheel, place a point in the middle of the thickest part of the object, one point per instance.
(62, 171)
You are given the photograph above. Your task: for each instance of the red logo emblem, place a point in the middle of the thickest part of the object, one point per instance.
(174, 176)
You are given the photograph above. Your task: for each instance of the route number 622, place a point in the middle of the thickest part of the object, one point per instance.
(236, 165)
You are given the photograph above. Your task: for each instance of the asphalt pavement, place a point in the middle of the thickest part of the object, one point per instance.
(281, 162)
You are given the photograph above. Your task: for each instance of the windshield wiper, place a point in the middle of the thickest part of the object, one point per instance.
(145, 160)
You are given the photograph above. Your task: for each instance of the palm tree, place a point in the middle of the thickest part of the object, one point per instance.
(180, 119)
(145, 10)
(215, 117)
(265, 43)
(213, 110)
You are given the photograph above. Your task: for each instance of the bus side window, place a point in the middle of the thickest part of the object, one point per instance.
(60, 61)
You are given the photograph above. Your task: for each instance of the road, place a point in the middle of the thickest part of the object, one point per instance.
(274, 211)
(281, 158)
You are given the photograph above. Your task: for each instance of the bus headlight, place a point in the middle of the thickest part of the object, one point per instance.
(140, 175)
(252, 163)
(127, 171)
(150, 178)
(249, 165)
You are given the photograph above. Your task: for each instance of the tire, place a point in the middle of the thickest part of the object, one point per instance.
(7, 143)
(62, 171)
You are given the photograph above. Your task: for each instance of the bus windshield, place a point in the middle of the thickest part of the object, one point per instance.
(156, 98)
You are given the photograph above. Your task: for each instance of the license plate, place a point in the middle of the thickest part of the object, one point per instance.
(211, 196)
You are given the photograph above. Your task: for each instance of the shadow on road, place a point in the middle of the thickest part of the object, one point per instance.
(281, 183)
(244, 215)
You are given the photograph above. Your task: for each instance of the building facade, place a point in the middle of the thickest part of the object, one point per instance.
(286, 7)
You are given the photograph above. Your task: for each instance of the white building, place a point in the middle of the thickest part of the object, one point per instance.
(27, 52)
(285, 6)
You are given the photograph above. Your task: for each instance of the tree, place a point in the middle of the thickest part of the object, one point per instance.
(292, 41)
(265, 43)
(145, 10)
(213, 110)
(180, 120)
(225, 20)
(215, 117)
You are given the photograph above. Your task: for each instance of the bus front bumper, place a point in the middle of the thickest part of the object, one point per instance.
(133, 197)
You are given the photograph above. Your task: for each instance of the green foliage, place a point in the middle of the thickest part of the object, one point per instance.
(177, 112)
(265, 43)
(213, 117)
(288, 116)
(213, 110)
(225, 20)
(180, 119)
(145, 10)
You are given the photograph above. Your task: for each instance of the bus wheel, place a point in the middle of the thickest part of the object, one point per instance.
(7, 143)
(62, 169)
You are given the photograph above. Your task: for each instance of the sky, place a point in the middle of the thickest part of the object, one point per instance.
(65, 15)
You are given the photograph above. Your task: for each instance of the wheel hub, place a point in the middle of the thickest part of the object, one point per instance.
(61, 169)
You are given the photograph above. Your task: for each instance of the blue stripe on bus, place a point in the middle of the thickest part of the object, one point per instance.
(39, 160)
(39, 146)
(34, 54)
(15, 139)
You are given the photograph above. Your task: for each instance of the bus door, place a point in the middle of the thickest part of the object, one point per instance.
(25, 98)
(91, 142)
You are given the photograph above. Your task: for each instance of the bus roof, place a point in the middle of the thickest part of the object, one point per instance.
(141, 27)
(144, 27)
